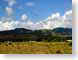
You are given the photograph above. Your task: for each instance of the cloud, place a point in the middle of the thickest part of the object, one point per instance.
(6, 25)
(68, 18)
(11, 2)
(29, 4)
(56, 15)
(56, 20)
(9, 11)
(9, 24)
(24, 17)
(51, 22)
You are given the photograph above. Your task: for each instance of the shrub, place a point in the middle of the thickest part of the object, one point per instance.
(59, 51)
(10, 43)
(70, 44)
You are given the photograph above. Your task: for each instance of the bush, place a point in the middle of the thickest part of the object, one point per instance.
(70, 44)
(59, 51)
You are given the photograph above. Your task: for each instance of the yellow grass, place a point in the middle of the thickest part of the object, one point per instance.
(36, 48)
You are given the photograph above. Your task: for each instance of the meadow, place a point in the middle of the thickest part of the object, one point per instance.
(33, 47)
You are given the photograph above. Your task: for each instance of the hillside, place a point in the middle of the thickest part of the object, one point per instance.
(22, 34)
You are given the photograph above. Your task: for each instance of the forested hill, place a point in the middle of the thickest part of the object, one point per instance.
(38, 35)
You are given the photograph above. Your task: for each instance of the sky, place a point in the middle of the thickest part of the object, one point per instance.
(35, 14)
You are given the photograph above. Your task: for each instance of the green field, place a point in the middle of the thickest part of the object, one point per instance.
(36, 48)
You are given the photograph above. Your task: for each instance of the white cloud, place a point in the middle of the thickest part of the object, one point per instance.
(68, 18)
(56, 15)
(9, 24)
(9, 11)
(11, 2)
(6, 25)
(24, 17)
(56, 20)
(53, 21)
(30, 4)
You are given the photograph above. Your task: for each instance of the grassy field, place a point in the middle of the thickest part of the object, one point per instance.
(36, 48)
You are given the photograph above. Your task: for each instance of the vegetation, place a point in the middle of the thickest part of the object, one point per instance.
(25, 35)
(33, 47)
(25, 41)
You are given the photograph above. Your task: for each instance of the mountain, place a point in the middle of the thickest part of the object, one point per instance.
(63, 31)
(16, 31)
(22, 34)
